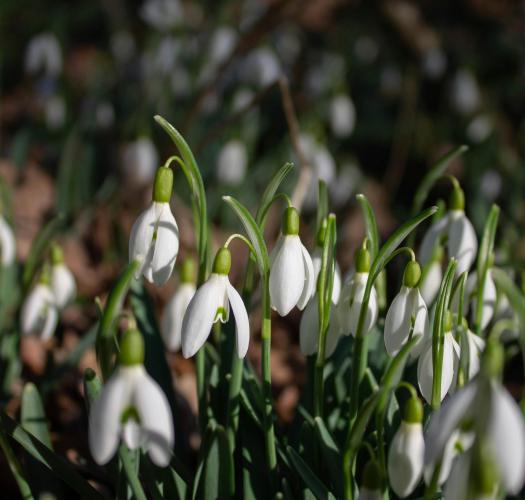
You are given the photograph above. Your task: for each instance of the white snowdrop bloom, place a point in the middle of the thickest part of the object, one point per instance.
(262, 67)
(309, 330)
(133, 407)
(491, 184)
(39, 315)
(342, 116)
(407, 451)
(371, 487)
(222, 43)
(154, 238)
(434, 63)
(462, 243)
(211, 303)
(55, 112)
(486, 408)
(291, 270)
(450, 453)
(44, 55)
(465, 94)
(232, 163)
(7, 243)
(352, 294)
(166, 55)
(140, 161)
(63, 282)
(479, 128)
(408, 314)
(431, 280)
(162, 14)
(425, 370)
(171, 321)
(476, 345)
(316, 262)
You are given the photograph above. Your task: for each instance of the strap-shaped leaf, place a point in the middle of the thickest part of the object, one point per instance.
(253, 231)
(372, 232)
(271, 189)
(33, 417)
(514, 296)
(322, 204)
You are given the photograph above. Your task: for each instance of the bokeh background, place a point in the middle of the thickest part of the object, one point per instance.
(381, 90)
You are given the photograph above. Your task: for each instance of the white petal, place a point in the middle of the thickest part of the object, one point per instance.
(201, 314)
(171, 323)
(405, 459)
(309, 279)
(242, 323)
(462, 241)
(141, 238)
(456, 487)
(398, 321)
(476, 345)
(434, 232)
(489, 301)
(506, 432)
(7, 243)
(166, 246)
(447, 459)
(35, 312)
(429, 286)
(316, 262)
(50, 322)
(332, 336)
(106, 413)
(445, 420)
(63, 285)
(155, 419)
(132, 434)
(287, 275)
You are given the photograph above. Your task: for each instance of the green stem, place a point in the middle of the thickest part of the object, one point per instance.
(269, 434)
(130, 469)
(15, 467)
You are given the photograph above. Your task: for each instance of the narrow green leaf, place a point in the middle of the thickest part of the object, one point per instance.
(58, 465)
(310, 479)
(253, 231)
(33, 417)
(372, 232)
(270, 191)
(38, 248)
(322, 204)
(433, 175)
(330, 454)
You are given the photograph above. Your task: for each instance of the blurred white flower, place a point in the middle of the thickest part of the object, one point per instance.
(162, 14)
(39, 315)
(465, 93)
(140, 161)
(132, 406)
(431, 281)
(317, 256)
(491, 184)
(171, 323)
(63, 284)
(44, 55)
(232, 163)
(479, 128)
(262, 67)
(342, 116)
(180, 82)
(7, 243)
(309, 330)
(220, 47)
(211, 303)
(434, 63)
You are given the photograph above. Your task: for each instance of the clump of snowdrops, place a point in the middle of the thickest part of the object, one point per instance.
(404, 395)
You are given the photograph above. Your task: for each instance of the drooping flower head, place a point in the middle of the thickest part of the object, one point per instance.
(291, 270)
(39, 315)
(62, 279)
(372, 482)
(455, 227)
(154, 239)
(349, 306)
(133, 407)
(211, 303)
(407, 450)
(171, 323)
(432, 275)
(407, 315)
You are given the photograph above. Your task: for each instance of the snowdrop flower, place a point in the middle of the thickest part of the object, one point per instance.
(407, 314)
(488, 305)
(232, 163)
(476, 345)
(39, 315)
(342, 116)
(465, 93)
(407, 450)
(139, 161)
(211, 303)
(309, 330)
(62, 279)
(371, 487)
(162, 14)
(425, 370)
(132, 406)
(432, 276)
(349, 306)
(462, 243)
(44, 55)
(171, 323)
(154, 239)
(7, 243)
(291, 270)
(262, 67)
(486, 408)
